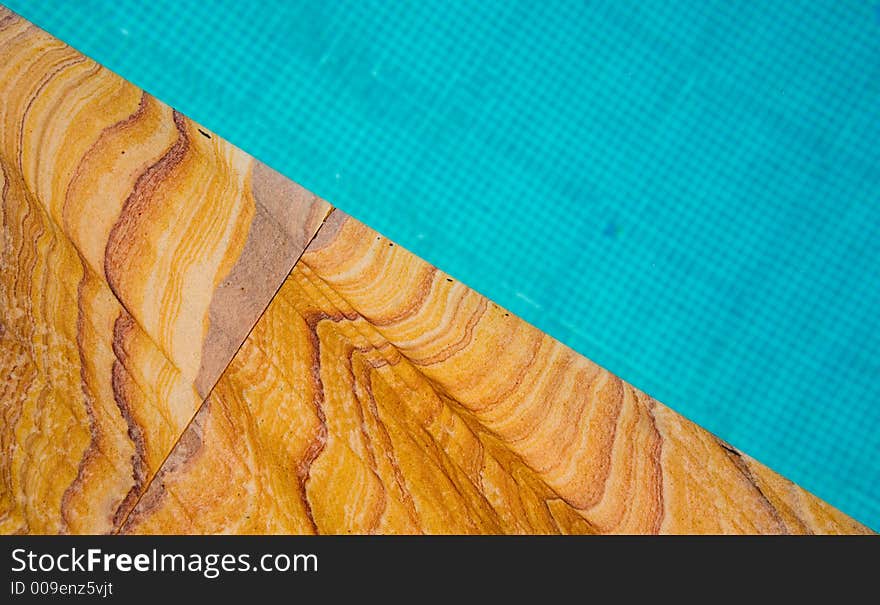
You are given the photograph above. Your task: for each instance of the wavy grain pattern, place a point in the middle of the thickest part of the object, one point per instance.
(375, 395)
(378, 395)
(137, 251)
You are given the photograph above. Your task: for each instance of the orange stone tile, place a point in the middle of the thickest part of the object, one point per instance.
(137, 251)
(379, 395)
(374, 395)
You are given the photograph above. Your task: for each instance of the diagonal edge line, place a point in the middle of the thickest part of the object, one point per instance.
(180, 435)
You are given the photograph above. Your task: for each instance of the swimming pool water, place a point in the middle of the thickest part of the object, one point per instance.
(687, 193)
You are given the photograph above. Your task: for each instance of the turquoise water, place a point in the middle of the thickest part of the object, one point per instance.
(686, 192)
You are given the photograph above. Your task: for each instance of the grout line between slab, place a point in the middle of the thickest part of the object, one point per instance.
(180, 435)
